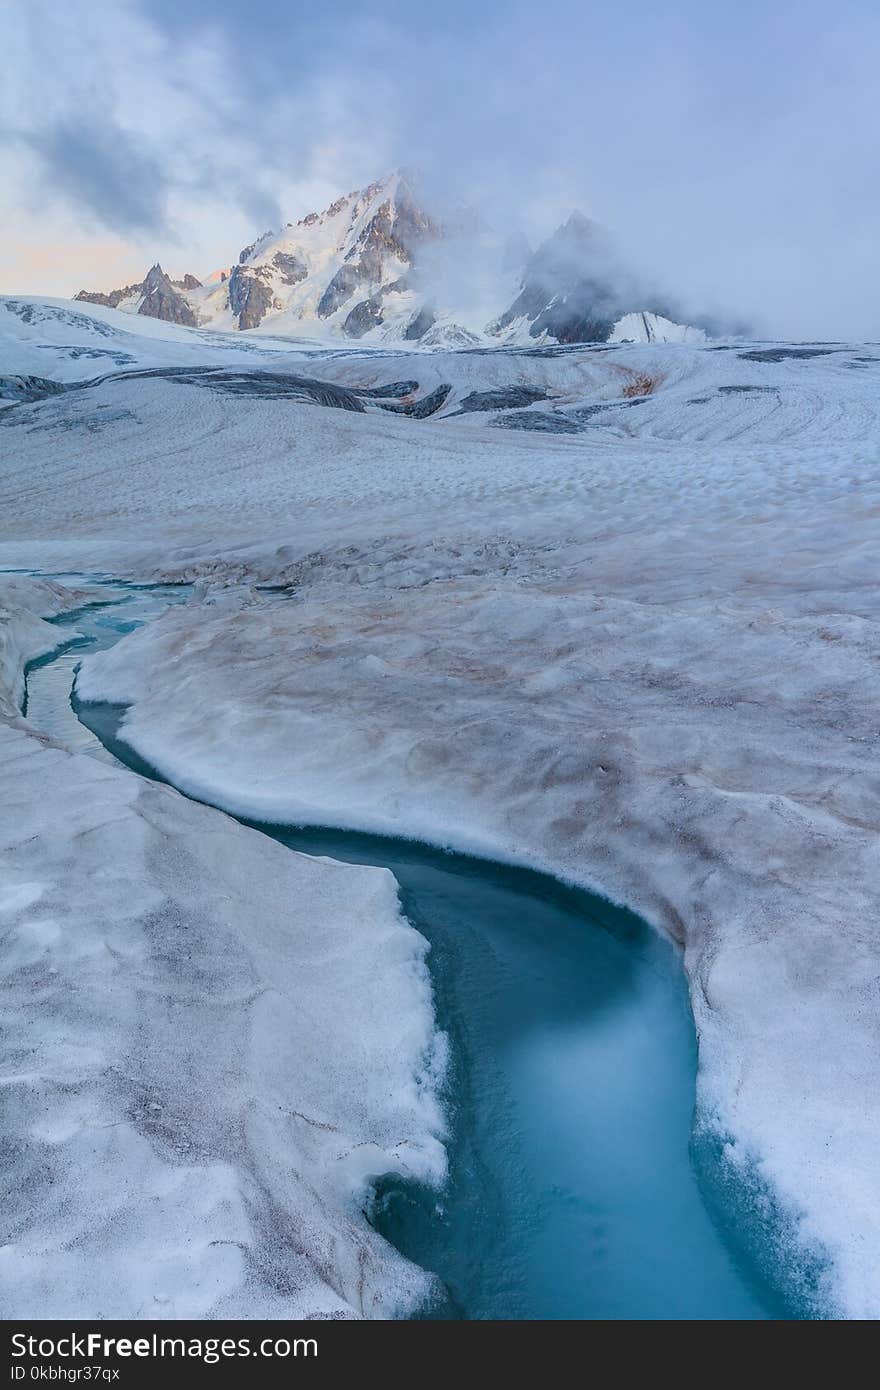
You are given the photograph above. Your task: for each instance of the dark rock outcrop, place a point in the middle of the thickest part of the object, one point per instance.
(162, 301)
(111, 300)
(341, 287)
(160, 297)
(574, 289)
(565, 290)
(290, 268)
(501, 398)
(394, 390)
(369, 313)
(394, 231)
(419, 324)
(363, 317)
(249, 250)
(420, 409)
(250, 294)
(29, 388)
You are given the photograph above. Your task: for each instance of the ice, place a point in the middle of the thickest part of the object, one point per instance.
(731, 806)
(643, 654)
(212, 1047)
(24, 635)
(653, 328)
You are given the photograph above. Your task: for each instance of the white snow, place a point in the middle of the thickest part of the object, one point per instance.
(321, 243)
(213, 1046)
(468, 276)
(646, 327)
(644, 655)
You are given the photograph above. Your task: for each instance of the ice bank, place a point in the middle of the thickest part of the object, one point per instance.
(654, 751)
(212, 1046)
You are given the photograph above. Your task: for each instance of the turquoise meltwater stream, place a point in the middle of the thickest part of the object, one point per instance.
(572, 1190)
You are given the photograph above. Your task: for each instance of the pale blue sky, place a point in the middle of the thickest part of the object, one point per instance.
(733, 149)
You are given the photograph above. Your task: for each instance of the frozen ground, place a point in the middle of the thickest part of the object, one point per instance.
(608, 611)
(211, 1046)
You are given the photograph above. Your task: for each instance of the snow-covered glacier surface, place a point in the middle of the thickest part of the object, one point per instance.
(491, 721)
(607, 611)
(212, 1048)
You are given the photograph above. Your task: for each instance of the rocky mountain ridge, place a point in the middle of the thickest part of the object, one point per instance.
(157, 296)
(367, 268)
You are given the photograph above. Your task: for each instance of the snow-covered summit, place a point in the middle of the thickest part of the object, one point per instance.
(574, 289)
(370, 266)
(346, 267)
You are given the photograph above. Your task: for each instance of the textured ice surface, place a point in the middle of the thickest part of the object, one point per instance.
(212, 1046)
(24, 635)
(492, 721)
(644, 654)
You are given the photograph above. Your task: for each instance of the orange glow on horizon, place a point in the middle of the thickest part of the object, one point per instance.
(59, 268)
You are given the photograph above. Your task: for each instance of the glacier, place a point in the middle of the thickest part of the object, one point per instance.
(607, 611)
(192, 1130)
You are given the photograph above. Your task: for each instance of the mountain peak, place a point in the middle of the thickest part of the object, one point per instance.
(340, 264)
(579, 223)
(377, 263)
(161, 300)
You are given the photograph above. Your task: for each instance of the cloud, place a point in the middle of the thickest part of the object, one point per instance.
(116, 122)
(105, 171)
(733, 151)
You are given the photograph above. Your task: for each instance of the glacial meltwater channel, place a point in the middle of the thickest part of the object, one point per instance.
(572, 1190)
